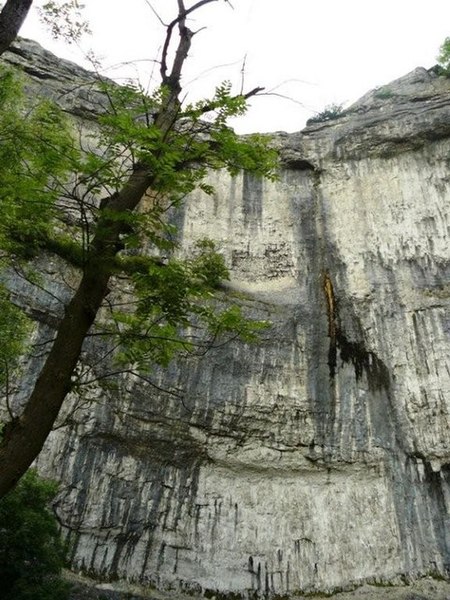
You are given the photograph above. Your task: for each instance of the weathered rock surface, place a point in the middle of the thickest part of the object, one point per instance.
(71, 86)
(423, 589)
(320, 458)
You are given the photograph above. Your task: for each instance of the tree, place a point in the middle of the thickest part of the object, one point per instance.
(154, 147)
(444, 55)
(12, 16)
(31, 553)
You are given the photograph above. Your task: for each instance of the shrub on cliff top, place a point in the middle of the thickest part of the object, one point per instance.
(330, 112)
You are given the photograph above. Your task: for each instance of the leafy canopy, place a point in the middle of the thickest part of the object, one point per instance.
(64, 19)
(36, 150)
(14, 327)
(51, 201)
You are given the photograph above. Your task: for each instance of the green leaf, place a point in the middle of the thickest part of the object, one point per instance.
(31, 553)
(14, 328)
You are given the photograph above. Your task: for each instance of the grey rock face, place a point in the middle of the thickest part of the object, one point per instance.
(72, 87)
(319, 458)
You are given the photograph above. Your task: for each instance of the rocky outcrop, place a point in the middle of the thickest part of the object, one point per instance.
(45, 75)
(320, 458)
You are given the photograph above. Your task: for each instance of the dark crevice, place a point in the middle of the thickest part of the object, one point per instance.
(38, 73)
(364, 361)
(298, 164)
(436, 482)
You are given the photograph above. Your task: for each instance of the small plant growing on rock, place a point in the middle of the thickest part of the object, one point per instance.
(329, 113)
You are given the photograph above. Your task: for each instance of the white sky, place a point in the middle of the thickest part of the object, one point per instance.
(316, 52)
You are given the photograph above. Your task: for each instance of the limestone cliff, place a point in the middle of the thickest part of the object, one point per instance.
(319, 458)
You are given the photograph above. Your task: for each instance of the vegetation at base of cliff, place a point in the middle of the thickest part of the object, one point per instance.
(329, 113)
(31, 553)
(444, 57)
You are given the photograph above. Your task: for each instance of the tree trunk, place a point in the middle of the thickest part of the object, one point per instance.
(11, 19)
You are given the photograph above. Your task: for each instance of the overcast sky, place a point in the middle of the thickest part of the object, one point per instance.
(314, 52)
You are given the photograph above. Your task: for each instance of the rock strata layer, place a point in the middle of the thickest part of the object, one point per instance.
(319, 458)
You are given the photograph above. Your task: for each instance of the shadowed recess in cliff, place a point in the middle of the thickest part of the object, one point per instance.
(420, 494)
(252, 199)
(354, 352)
(438, 484)
(297, 164)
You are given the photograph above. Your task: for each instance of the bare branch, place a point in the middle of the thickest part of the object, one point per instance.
(210, 69)
(243, 74)
(23, 275)
(154, 11)
(184, 42)
(277, 95)
(253, 92)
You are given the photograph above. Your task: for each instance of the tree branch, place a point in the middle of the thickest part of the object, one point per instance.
(210, 106)
(154, 11)
(180, 20)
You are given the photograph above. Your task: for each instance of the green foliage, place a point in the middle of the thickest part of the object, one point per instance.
(208, 266)
(64, 19)
(14, 327)
(178, 311)
(50, 201)
(36, 155)
(444, 56)
(39, 157)
(31, 553)
(181, 157)
(329, 113)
